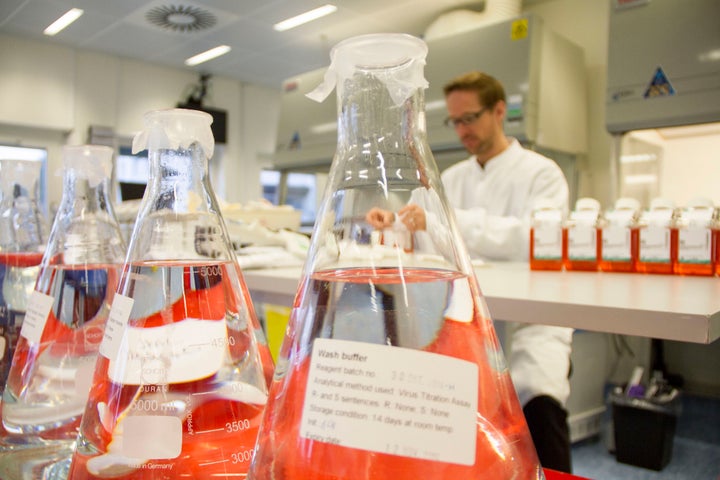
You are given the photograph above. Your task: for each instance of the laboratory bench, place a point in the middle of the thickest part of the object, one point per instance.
(668, 307)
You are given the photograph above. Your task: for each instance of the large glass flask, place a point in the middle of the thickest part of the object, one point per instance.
(22, 242)
(390, 367)
(49, 380)
(181, 379)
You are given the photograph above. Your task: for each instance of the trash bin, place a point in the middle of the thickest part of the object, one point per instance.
(644, 429)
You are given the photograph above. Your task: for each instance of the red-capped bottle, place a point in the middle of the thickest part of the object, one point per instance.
(583, 236)
(658, 234)
(546, 236)
(696, 224)
(716, 241)
(619, 250)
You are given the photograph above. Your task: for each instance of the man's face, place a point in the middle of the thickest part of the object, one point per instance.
(473, 123)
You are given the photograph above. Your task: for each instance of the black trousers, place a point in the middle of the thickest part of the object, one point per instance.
(547, 421)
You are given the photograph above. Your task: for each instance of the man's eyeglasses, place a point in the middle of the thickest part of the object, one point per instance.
(465, 120)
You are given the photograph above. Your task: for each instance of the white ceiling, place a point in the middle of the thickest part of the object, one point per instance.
(259, 55)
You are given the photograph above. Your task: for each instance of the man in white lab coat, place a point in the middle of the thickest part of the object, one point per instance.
(493, 193)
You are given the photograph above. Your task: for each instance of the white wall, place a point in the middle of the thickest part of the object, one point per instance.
(690, 168)
(50, 95)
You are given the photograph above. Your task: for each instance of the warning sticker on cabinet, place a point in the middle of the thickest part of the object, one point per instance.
(659, 85)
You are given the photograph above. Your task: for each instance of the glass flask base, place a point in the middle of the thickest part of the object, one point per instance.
(47, 460)
(408, 400)
(187, 410)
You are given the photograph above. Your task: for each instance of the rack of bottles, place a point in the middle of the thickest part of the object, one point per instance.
(662, 239)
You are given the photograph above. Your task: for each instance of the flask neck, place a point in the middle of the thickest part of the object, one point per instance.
(178, 179)
(179, 218)
(381, 142)
(21, 223)
(82, 196)
(368, 116)
(85, 230)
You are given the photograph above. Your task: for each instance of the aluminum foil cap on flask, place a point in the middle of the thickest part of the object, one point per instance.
(181, 379)
(390, 367)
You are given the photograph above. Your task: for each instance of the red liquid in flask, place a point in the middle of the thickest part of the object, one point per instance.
(503, 448)
(49, 380)
(18, 271)
(21, 259)
(192, 407)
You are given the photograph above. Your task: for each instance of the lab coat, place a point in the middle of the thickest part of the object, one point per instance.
(493, 206)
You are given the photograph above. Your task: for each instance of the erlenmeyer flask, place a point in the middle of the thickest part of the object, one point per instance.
(390, 367)
(47, 388)
(182, 376)
(22, 242)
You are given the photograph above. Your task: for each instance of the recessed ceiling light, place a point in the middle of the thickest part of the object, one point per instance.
(68, 17)
(306, 17)
(207, 55)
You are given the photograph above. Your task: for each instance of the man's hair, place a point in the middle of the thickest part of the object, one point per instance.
(489, 90)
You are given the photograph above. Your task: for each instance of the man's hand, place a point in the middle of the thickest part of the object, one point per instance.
(413, 217)
(380, 218)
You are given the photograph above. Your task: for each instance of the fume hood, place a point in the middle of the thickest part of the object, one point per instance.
(663, 64)
(543, 74)
(663, 95)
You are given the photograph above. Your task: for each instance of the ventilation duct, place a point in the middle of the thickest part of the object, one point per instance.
(462, 20)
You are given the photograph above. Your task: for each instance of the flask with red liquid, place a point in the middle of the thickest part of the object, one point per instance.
(620, 236)
(696, 231)
(658, 237)
(546, 236)
(22, 243)
(390, 367)
(583, 236)
(49, 381)
(183, 368)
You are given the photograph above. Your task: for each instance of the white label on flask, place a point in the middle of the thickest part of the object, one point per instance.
(36, 315)
(392, 400)
(178, 352)
(582, 243)
(84, 376)
(151, 436)
(115, 326)
(547, 242)
(655, 244)
(616, 243)
(694, 245)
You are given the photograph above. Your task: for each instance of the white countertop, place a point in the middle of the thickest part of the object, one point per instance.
(671, 307)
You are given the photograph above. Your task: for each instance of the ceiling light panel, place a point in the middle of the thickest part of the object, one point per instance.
(305, 17)
(63, 22)
(207, 55)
